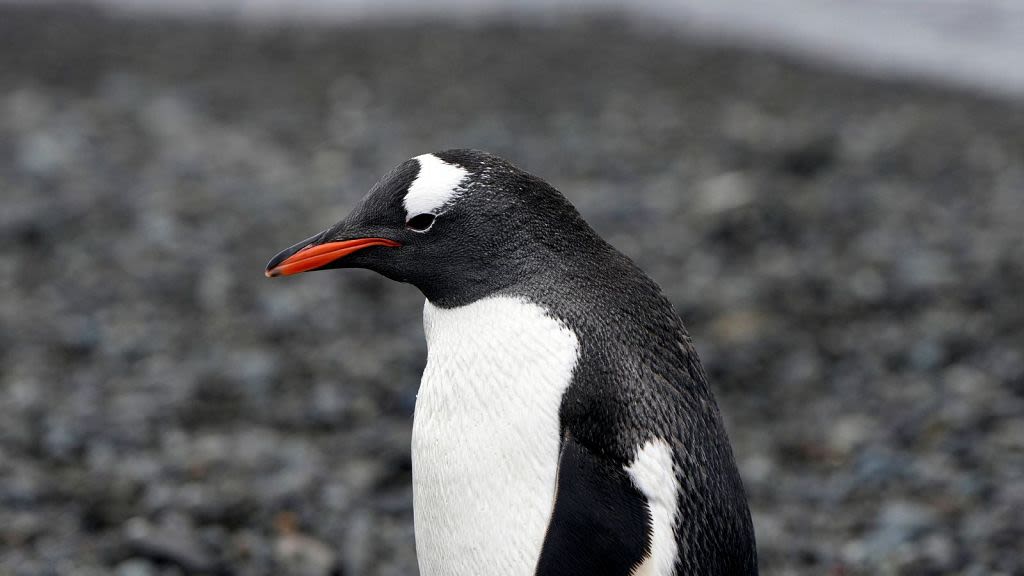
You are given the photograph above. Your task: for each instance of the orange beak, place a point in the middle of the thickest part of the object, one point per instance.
(312, 257)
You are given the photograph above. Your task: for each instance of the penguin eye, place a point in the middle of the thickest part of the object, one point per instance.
(420, 222)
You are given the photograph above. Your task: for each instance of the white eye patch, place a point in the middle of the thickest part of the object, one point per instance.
(437, 184)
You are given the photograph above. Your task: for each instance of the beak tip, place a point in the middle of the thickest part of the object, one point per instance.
(307, 255)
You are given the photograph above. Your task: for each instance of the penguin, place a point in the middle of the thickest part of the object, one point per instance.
(563, 424)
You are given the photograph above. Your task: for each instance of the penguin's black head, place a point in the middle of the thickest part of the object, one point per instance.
(459, 225)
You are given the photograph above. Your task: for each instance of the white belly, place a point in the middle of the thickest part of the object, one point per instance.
(486, 436)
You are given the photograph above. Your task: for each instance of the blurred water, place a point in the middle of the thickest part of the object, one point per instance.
(977, 44)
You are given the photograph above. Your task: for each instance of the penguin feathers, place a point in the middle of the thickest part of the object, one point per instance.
(564, 423)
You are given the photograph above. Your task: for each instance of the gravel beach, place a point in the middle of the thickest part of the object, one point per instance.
(846, 253)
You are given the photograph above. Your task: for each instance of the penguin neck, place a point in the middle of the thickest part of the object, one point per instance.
(530, 268)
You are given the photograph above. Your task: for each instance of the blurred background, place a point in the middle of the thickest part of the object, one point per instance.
(830, 192)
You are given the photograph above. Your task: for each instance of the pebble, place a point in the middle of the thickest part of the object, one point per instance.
(135, 567)
(173, 542)
(300, 555)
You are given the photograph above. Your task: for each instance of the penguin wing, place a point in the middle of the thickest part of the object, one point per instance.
(600, 524)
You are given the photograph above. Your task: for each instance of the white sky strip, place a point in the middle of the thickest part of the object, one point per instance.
(975, 43)
(437, 184)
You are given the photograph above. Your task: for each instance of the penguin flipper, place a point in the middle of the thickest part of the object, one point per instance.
(600, 524)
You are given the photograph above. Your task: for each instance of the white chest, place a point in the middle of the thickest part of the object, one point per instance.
(486, 436)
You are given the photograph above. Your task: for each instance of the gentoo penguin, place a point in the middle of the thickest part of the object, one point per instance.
(563, 425)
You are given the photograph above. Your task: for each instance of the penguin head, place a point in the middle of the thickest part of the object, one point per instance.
(456, 224)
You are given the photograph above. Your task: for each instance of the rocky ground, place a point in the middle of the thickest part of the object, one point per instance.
(847, 254)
